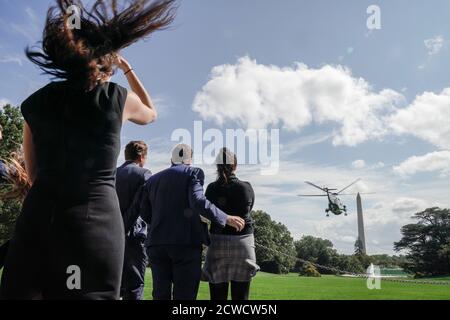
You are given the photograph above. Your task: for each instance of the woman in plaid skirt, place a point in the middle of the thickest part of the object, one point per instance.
(231, 258)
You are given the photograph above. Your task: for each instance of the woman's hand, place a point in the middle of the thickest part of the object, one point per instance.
(122, 63)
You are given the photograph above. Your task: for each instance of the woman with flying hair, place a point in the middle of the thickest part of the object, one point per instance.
(69, 238)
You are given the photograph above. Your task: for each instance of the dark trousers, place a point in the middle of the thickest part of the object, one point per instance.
(134, 266)
(176, 272)
(239, 291)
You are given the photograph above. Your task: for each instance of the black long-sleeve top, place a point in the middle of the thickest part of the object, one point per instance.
(234, 198)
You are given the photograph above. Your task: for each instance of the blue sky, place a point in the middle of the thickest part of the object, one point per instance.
(401, 152)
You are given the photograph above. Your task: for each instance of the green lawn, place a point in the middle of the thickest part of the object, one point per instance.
(292, 287)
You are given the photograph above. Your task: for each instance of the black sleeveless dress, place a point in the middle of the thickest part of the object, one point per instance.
(69, 238)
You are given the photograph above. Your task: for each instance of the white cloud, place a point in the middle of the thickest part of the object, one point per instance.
(163, 106)
(358, 164)
(256, 96)
(292, 147)
(427, 118)
(434, 45)
(378, 165)
(4, 102)
(409, 206)
(438, 161)
(31, 29)
(12, 59)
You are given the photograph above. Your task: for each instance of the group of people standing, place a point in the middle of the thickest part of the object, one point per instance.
(165, 223)
(82, 213)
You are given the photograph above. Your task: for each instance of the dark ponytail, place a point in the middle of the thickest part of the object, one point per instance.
(226, 165)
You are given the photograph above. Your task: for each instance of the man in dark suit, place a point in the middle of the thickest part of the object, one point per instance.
(173, 204)
(130, 177)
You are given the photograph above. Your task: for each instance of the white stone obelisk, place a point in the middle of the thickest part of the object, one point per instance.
(361, 233)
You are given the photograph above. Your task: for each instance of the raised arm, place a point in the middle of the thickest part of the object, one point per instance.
(139, 107)
(29, 153)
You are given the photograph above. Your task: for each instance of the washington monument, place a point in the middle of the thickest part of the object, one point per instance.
(361, 235)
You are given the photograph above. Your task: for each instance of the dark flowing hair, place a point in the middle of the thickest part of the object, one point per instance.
(85, 55)
(226, 162)
(17, 181)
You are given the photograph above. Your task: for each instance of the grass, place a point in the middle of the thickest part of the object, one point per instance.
(447, 278)
(292, 287)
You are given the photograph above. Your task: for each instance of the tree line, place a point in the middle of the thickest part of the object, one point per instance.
(12, 123)
(426, 243)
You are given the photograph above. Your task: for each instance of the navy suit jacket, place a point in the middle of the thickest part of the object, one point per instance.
(129, 179)
(171, 202)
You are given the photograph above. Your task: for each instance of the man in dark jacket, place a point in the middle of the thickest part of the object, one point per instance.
(130, 177)
(172, 202)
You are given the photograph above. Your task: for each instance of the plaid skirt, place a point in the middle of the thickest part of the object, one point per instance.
(230, 258)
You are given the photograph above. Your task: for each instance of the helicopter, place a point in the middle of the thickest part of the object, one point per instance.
(334, 203)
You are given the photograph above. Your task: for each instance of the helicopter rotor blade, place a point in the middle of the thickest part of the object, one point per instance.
(316, 186)
(311, 195)
(355, 194)
(351, 184)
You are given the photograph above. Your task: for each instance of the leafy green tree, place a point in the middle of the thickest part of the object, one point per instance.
(363, 258)
(348, 263)
(279, 257)
(427, 242)
(321, 251)
(315, 250)
(359, 247)
(8, 215)
(12, 123)
(309, 270)
(386, 261)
